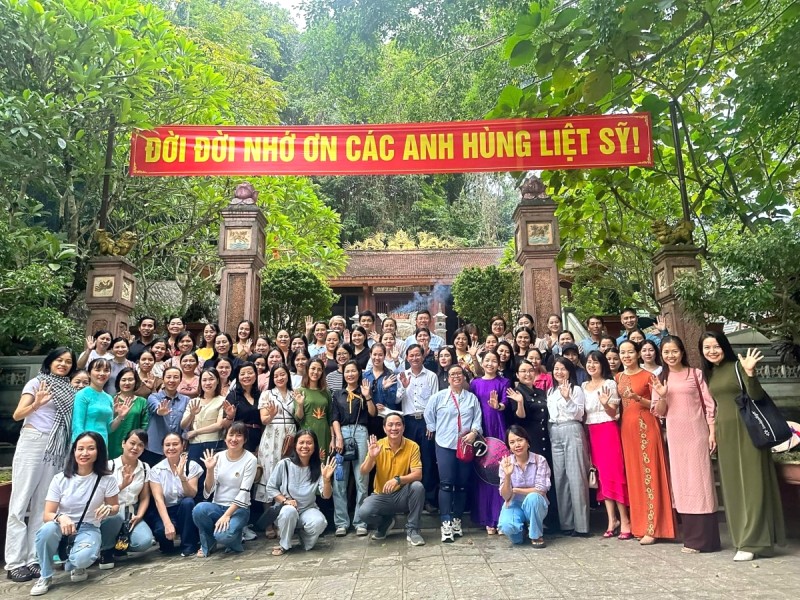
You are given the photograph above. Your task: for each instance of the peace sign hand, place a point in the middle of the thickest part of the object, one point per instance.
(127, 477)
(565, 390)
(750, 361)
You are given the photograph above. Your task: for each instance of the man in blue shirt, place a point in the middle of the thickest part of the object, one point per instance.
(594, 324)
(166, 410)
(423, 321)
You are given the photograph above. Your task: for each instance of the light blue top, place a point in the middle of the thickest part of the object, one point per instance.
(587, 345)
(648, 336)
(436, 341)
(92, 411)
(441, 416)
(159, 426)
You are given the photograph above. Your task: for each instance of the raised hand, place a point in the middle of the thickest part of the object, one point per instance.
(493, 400)
(121, 409)
(404, 379)
(91, 343)
(565, 389)
(195, 407)
(375, 336)
(272, 409)
(229, 410)
(247, 345)
(514, 395)
(507, 462)
(389, 381)
(299, 397)
(329, 467)
(660, 388)
(661, 323)
(309, 322)
(209, 459)
(365, 391)
(604, 396)
(42, 396)
(373, 449)
(163, 408)
(127, 477)
(750, 360)
(182, 463)
(473, 349)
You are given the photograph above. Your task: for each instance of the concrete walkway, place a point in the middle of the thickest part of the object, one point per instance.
(478, 566)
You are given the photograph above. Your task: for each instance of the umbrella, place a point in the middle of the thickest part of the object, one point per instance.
(489, 452)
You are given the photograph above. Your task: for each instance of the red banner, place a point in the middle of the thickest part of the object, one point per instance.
(395, 149)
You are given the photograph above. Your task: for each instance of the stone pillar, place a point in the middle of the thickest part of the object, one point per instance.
(241, 248)
(669, 263)
(110, 294)
(538, 244)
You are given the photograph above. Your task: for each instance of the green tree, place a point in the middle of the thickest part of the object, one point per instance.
(478, 294)
(730, 67)
(756, 281)
(290, 293)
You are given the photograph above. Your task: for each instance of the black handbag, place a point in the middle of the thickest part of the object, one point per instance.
(349, 444)
(764, 422)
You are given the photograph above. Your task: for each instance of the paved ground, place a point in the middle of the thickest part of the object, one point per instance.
(476, 567)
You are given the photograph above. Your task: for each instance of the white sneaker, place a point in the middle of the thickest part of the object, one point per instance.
(742, 556)
(447, 532)
(248, 535)
(457, 528)
(78, 575)
(42, 586)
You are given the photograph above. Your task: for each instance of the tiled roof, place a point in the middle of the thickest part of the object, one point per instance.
(437, 265)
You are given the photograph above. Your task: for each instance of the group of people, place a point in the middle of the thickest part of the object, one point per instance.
(155, 440)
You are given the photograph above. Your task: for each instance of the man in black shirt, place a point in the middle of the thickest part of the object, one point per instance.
(147, 329)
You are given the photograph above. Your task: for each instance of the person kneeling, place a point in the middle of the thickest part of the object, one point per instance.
(229, 476)
(294, 483)
(398, 481)
(524, 482)
(77, 502)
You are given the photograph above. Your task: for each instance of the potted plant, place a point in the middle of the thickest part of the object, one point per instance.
(787, 465)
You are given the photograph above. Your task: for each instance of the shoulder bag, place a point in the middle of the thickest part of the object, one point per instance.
(465, 452)
(765, 424)
(349, 444)
(65, 545)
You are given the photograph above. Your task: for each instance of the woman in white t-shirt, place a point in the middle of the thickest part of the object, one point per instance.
(77, 501)
(45, 408)
(173, 485)
(229, 476)
(134, 499)
(97, 346)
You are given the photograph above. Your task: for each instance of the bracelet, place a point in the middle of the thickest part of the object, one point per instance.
(55, 519)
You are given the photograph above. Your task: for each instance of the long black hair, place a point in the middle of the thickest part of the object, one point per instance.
(727, 351)
(53, 355)
(100, 466)
(314, 461)
(673, 339)
(567, 364)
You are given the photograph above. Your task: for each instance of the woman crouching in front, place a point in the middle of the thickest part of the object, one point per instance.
(229, 476)
(524, 483)
(294, 483)
(77, 501)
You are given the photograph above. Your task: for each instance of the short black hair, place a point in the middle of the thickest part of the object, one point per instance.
(147, 318)
(367, 313)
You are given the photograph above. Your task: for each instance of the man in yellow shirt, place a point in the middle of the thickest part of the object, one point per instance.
(398, 481)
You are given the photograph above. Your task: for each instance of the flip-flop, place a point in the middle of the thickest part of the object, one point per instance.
(538, 544)
(279, 551)
(625, 535)
(609, 533)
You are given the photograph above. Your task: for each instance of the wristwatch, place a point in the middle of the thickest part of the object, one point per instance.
(397, 479)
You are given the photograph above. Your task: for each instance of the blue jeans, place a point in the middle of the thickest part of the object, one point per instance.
(454, 477)
(141, 536)
(531, 510)
(206, 515)
(85, 549)
(181, 517)
(341, 516)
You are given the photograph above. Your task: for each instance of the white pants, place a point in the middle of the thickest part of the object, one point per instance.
(311, 524)
(31, 478)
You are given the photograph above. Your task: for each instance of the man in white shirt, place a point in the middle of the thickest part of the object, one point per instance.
(414, 387)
